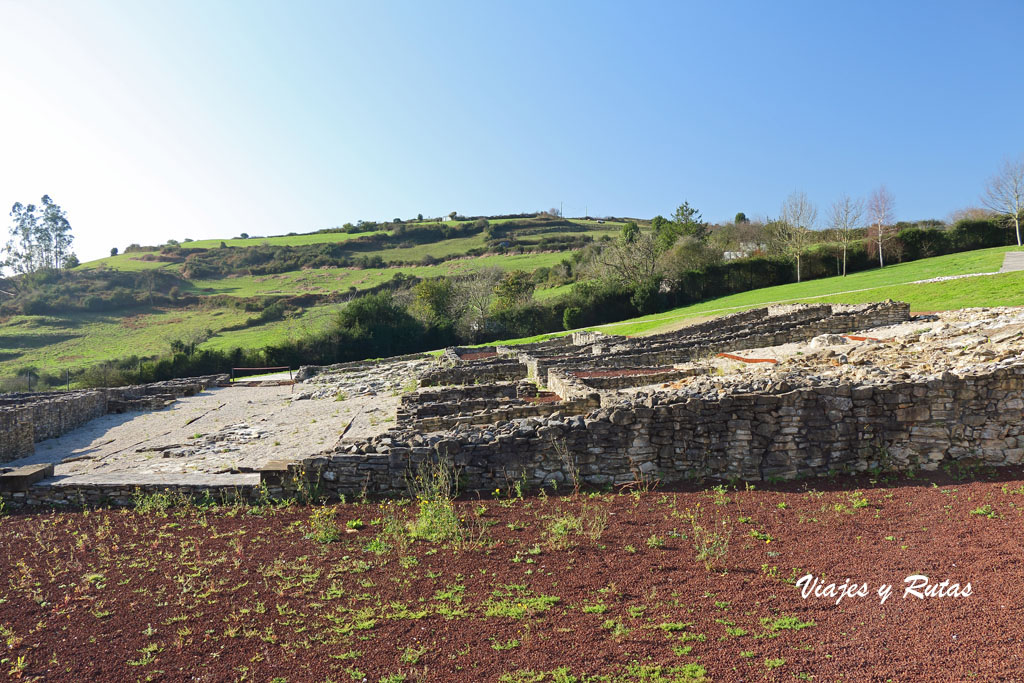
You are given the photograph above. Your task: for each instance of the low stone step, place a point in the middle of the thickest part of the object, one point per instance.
(21, 478)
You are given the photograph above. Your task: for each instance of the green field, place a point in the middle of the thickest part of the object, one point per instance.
(327, 280)
(440, 249)
(82, 339)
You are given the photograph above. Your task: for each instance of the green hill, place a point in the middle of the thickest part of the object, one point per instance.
(279, 298)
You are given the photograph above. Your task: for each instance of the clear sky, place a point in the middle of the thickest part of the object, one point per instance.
(152, 120)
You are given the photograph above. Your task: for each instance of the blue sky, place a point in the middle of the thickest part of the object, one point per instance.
(155, 120)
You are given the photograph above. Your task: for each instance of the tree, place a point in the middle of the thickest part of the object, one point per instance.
(55, 233)
(740, 218)
(40, 237)
(844, 217)
(631, 260)
(792, 231)
(435, 301)
(514, 289)
(1005, 192)
(880, 213)
(630, 231)
(113, 251)
(686, 222)
(453, 214)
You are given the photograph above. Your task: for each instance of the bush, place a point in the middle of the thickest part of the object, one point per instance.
(571, 317)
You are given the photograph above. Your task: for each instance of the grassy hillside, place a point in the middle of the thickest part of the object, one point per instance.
(892, 282)
(74, 340)
(53, 343)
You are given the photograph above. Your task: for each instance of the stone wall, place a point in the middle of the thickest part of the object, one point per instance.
(28, 418)
(486, 372)
(972, 419)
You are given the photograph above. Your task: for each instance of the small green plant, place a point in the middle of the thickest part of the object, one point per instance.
(322, 525)
(655, 541)
(711, 542)
(772, 625)
(412, 655)
(434, 488)
(355, 524)
(507, 645)
(985, 511)
(774, 663)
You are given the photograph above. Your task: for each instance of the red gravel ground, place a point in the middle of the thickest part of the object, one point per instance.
(544, 397)
(480, 355)
(592, 587)
(731, 356)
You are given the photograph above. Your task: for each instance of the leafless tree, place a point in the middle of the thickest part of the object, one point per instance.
(880, 213)
(968, 213)
(793, 229)
(472, 301)
(844, 217)
(631, 261)
(1005, 192)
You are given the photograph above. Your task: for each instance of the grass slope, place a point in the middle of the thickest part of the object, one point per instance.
(892, 282)
(54, 343)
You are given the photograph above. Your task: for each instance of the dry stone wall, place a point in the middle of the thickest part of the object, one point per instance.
(28, 418)
(970, 420)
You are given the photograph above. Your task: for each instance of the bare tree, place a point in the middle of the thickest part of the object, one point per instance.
(880, 213)
(793, 229)
(844, 217)
(472, 301)
(1005, 192)
(632, 259)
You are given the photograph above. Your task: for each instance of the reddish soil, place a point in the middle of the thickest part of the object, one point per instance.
(479, 355)
(237, 593)
(747, 360)
(544, 397)
(626, 372)
(857, 338)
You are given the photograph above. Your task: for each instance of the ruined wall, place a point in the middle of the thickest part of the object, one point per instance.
(28, 418)
(975, 419)
(475, 373)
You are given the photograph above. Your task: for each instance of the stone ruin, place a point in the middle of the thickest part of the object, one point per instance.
(592, 409)
(603, 410)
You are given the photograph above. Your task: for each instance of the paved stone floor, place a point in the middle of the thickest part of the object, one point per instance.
(220, 432)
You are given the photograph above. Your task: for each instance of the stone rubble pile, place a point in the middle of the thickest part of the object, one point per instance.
(371, 380)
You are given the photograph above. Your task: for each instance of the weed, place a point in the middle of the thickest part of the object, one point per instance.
(517, 601)
(507, 645)
(322, 525)
(434, 489)
(711, 542)
(986, 511)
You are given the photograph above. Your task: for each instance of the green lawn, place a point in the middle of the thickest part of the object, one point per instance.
(128, 262)
(892, 282)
